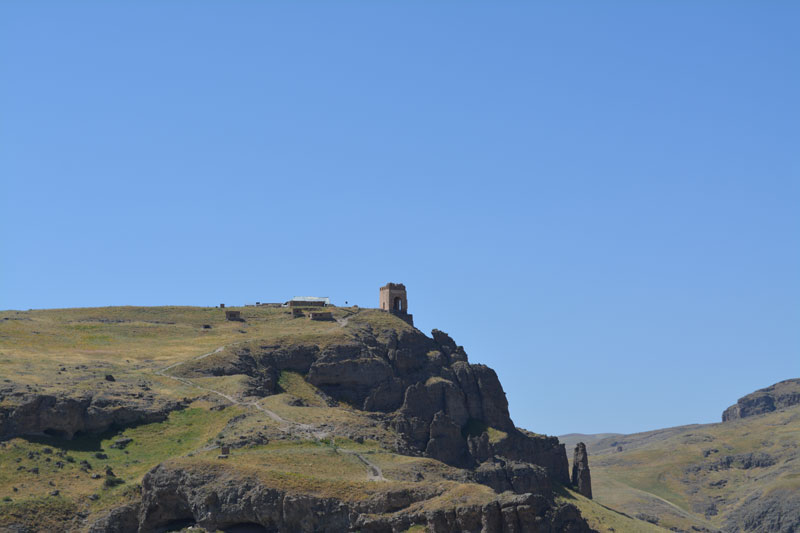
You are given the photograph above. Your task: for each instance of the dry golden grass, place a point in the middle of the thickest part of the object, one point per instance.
(604, 519)
(405, 467)
(651, 475)
(299, 468)
(132, 343)
(151, 335)
(295, 385)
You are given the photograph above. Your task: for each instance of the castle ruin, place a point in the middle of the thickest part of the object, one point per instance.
(394, 300)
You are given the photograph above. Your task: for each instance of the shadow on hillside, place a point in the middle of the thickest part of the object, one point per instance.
(562, 491)
(80, 442)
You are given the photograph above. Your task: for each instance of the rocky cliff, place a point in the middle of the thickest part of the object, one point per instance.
(423, 387)
(434, 402)
(219, 498)
(778, 396)
(360, 424)
(65, 414)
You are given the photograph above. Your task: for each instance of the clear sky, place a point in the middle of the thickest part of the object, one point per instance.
(600, 200)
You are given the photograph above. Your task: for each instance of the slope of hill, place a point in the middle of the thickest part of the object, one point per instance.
(737, 476)
(571, 439)
(153, 419)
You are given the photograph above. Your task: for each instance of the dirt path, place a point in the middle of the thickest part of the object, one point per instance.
(374, 472)
(290, 427)
(345, 319)
(288, 424)
(198, 358)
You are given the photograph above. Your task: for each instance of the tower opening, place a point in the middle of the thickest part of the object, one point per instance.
(394, 300)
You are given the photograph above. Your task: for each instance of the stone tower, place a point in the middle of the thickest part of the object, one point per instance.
(395, 301)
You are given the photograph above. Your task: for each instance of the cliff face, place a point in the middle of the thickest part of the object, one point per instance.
(426, 393)
(423, 387)
(65, 415)
(779, 396)
(173, 494)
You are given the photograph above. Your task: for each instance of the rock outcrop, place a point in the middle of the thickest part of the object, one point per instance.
(581, 478)
(778, 396)
(122, 519)
(775, 511)
(424, 387)
(64, 415)
(414, 395)
(218, 498)
(374, 427)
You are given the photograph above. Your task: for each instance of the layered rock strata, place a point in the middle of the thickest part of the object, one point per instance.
(65, 415)
(423, 387)
(778, 396)
(216, 498)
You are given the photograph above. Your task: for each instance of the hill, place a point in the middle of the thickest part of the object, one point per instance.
(154, 419)
(742, 475)
(778, 396)
(571, 439)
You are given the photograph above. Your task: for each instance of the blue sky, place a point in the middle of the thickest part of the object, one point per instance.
(598, 200)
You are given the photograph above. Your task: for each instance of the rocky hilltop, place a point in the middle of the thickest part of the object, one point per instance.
(158, 419)
(778, 396)
(435, 403)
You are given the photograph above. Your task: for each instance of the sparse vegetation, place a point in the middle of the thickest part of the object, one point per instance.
(698, 475)
(182, 432)
(74, 350)
(605, 519)
(170, 353)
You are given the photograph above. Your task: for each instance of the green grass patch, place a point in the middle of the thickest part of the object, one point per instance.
(296, 385)
(602, 518)
(37, 514)
(32, 464)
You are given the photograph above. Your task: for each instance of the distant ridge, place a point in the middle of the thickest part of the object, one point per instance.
(741, 475)
(778, 396)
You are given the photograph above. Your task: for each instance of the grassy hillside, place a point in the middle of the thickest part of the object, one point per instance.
(71, 351)
(604, 519)
(571, 439)
(296, 440)
(702, 476)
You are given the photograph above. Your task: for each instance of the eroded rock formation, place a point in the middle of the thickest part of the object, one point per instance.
(423, 387)
(778, 396)
(581, 478)
(423, 394)
(64, 415)
(216, 498)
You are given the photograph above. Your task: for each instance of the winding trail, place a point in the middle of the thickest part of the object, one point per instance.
(198, 358)
(374, 472)
(290, 427)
